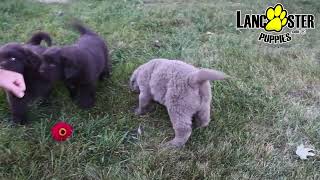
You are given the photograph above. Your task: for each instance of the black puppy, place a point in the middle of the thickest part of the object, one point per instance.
(24, 59)
(80, 65)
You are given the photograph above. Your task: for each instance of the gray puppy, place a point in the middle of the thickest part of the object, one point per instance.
(184, 90)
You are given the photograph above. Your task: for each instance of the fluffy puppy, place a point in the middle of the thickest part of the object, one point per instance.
(184, 90)
(24, 59)
(79, 65)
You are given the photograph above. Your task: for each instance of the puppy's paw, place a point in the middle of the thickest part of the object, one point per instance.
(45, 102)
(103, 75)
(135, 89)
(85, 102)
(139, 112)
(86, 105)
(172, 145)
(19, 121)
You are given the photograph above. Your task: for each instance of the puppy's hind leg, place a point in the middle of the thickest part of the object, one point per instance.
(181, 123)
(144, 100)
(106, 72)
(202, 118)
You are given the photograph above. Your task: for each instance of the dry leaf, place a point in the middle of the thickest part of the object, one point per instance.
(303, 152)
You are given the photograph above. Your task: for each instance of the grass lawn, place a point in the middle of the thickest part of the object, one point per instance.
(269, 106)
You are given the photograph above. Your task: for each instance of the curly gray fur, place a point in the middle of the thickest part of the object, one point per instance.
(184, 90)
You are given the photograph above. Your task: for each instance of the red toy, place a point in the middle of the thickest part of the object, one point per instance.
(61, 131)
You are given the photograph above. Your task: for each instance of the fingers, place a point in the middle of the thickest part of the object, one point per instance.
(16, 90)
(13, 82)
(19, 82)
(19, 86)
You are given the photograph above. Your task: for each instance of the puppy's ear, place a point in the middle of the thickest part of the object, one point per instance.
(25, 55)
(15, 53)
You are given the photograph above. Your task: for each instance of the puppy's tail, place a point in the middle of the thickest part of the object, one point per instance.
(202, 75)
(38, 37)
(78, 26)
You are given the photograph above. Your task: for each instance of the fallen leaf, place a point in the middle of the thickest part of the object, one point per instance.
(303, 152)
(140, 130)
(157, 43)
(209, 33)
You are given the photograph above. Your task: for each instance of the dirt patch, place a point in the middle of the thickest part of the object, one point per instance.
(311, 91)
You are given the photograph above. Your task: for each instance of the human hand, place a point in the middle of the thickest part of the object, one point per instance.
(13, 82)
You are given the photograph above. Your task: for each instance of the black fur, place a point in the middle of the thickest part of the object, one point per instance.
(38, 37)
(24, 59)
(80, 65)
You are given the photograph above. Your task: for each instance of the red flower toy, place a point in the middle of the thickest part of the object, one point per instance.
(61, 131)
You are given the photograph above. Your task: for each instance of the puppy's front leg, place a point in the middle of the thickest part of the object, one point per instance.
(19, 108)
(72, 90)
(144, 100)
(86, 96)
(45, 95)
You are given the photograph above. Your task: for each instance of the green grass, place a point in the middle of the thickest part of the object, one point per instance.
(269, 106)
